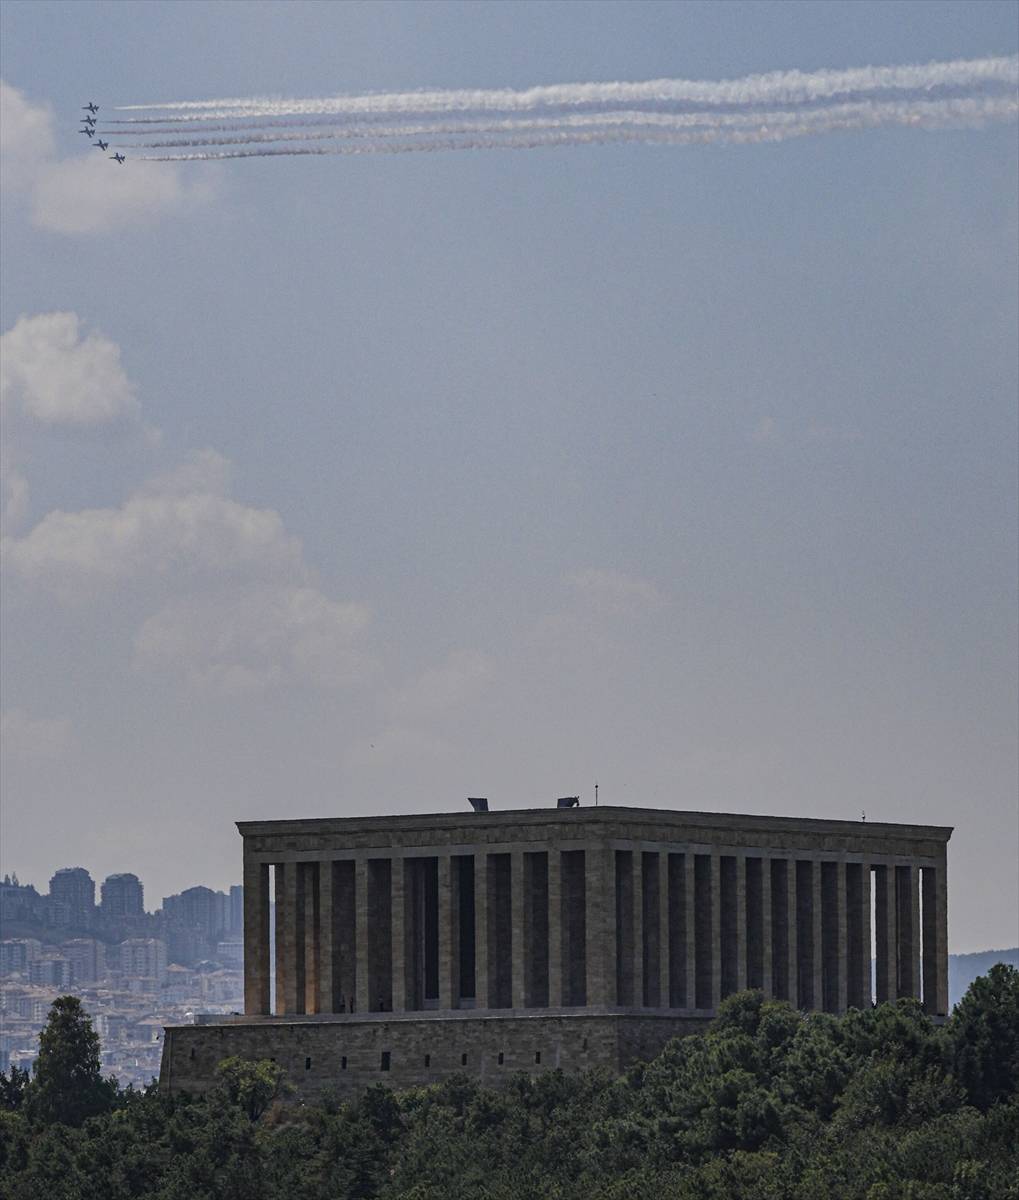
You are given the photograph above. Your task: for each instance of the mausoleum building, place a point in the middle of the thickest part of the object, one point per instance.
(408, 948)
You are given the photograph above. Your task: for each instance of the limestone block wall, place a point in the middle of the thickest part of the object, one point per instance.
(348, 1056)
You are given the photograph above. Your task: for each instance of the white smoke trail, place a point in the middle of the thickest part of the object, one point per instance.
(782, 87)
(929, 114)
(748, 129)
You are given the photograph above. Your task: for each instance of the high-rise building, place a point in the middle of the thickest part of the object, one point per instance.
(143, 958)
(122, 896)
(87, 958)
(17, 955)
(54, 970)
(72, 898)
(237, 910)
(199, 908)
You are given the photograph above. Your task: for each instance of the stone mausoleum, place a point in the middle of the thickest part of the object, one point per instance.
(409, 948)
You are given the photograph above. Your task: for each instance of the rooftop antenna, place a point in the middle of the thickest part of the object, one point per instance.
(478, 803)
(863, 815)
(596, 793)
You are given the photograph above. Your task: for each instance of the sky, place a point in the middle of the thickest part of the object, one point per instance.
(350, 485)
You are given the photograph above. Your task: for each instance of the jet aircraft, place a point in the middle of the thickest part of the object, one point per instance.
(92, 108)
(89, 120)
(101, 145)
(119, 158)
(88, 131)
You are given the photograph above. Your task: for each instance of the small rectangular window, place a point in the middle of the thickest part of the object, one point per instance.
(584, 1047)
(428, 1060)
(192, 1052)
(537, 1056)
(384, 1065)
(343, 1063)
(307, 1064)
(501, 1057)
(463, 1060)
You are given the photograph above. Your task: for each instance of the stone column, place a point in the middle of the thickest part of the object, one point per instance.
(327, 936)
(794, 940)
(555, 929)
(363, 933)
(637, 859)
(518, 996)
(767, 984)
(481, 967)
(941, 894)
(447, 947)
(865, 965)
(817, 940)
(308, 885)
(289, 938)
(280, 900)
(909, 932)
(741, 922)
(601, 936)
(664, 933)
(256, 937)
(690, 929)
(716, 930)
(843, 935)
(398, 903)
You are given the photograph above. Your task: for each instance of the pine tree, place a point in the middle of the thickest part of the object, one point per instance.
(67, 1086)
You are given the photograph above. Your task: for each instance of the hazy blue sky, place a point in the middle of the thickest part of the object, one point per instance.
(353, 485)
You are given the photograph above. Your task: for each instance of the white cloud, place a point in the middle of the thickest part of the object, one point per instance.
(34, 739)
(178, 535)
(237, 605)
(206, 471)
(242, 640)
(612, 592)
(14, 498)
(26, 138)
(55, 374)
(83, 193)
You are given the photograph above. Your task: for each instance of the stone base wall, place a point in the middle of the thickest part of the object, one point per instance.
(348, 1055)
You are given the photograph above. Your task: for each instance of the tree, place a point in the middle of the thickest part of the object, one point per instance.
(67, 1087)
(12, 1089)
(251, 1085)
(984, 1033)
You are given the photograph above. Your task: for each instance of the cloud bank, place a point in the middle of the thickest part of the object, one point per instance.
(228, 601)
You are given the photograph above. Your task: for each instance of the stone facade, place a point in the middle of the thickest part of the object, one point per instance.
(411, 947)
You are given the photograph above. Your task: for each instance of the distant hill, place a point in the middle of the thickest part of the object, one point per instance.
(964, 968)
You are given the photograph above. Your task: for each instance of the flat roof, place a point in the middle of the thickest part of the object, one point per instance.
(590, 813)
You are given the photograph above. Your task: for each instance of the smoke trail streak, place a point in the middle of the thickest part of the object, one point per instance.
(932, 116)
(759, 108)
(784, 87)
(717, 127)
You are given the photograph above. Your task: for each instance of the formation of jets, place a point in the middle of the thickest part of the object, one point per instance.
(89, 130)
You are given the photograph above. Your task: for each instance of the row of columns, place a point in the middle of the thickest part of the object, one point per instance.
(659, 928)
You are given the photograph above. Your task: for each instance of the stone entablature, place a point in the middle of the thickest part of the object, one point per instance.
(267, 840)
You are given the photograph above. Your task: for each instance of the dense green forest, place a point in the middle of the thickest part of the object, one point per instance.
(769, 1104)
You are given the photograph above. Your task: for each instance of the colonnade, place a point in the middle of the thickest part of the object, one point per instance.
(618, 926)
